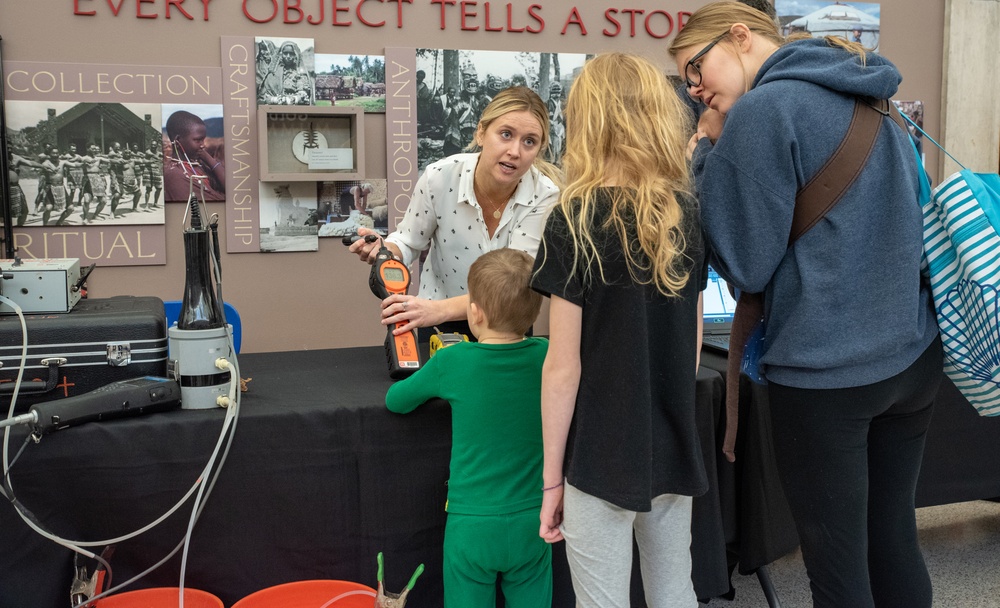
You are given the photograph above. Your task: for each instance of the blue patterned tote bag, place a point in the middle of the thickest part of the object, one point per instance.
(962, 259)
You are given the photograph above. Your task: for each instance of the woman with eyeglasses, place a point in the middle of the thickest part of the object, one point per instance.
(851, 351)
(694, 104)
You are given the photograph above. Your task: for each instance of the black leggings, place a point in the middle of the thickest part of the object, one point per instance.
(848, 461)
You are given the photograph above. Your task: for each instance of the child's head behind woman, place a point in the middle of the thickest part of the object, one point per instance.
(626, 128)
(499, 284)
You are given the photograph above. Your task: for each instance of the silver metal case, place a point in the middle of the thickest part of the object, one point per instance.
(41, 286)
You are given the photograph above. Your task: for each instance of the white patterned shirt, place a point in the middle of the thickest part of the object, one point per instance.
(444, 214)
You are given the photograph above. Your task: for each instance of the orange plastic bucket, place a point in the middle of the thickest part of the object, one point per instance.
(160, 597)
(311, 594)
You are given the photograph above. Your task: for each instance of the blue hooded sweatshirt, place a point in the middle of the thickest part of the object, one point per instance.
(845, 305)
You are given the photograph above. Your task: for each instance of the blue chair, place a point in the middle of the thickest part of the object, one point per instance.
(173, 310)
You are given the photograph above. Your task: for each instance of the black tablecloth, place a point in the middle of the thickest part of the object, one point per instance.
(762, 529)
(320, 478)
(962, 457)
(961, 463)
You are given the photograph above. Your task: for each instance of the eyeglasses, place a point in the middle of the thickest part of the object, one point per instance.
(692, 75)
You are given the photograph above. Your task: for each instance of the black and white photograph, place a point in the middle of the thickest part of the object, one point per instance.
(345, 206)
(194, 152)
(856, 21)
(914, 110)
(351, 80)
(286, 71)
(74, 164)
(287, 217)
(454, 86)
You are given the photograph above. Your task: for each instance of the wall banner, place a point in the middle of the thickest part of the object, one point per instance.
(239, 105)
(102, 83)
(86, 145)
(400, 129)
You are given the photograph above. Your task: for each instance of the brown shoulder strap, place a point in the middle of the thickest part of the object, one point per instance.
(826, 188)
(811, 204)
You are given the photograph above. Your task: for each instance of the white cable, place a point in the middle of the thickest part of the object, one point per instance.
(6, 432)
(147, 527)
(20, 371)
(228, 428)
(233, 405)
(215, 476)
(336, 599)
(20, 374)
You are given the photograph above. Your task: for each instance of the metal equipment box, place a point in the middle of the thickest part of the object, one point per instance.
(41, 286)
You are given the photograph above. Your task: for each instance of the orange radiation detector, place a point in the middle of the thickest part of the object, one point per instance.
(390, 276)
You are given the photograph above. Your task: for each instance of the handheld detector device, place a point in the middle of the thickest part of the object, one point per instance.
(390, 276)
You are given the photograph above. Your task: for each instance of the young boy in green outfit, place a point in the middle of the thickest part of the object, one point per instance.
(495, 486)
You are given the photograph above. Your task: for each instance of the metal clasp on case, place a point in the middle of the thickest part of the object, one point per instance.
(119, 354)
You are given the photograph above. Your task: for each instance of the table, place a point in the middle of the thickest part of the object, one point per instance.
(962, 457)
(763, 530)
(320, 478)
(961, 463)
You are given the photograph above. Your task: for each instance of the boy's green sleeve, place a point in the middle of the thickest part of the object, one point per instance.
(409, 393)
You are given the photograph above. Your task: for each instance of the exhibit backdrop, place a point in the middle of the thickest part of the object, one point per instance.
(160, 52)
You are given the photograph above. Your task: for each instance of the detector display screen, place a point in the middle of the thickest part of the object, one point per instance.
(392, 274)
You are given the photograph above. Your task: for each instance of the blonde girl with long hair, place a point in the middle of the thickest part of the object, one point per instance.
(623, 262)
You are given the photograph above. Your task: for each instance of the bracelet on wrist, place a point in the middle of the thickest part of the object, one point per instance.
(558, 485)
(215, 166)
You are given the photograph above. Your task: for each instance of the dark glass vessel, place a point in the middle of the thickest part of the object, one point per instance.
(200, 308)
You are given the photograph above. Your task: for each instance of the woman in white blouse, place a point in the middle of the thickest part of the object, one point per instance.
(467, 204)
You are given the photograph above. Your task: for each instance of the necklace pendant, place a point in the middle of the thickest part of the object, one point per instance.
(496, 214)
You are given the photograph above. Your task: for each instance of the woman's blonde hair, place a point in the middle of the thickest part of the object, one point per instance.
(520, 99)
(626, 127)
(714, 20)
